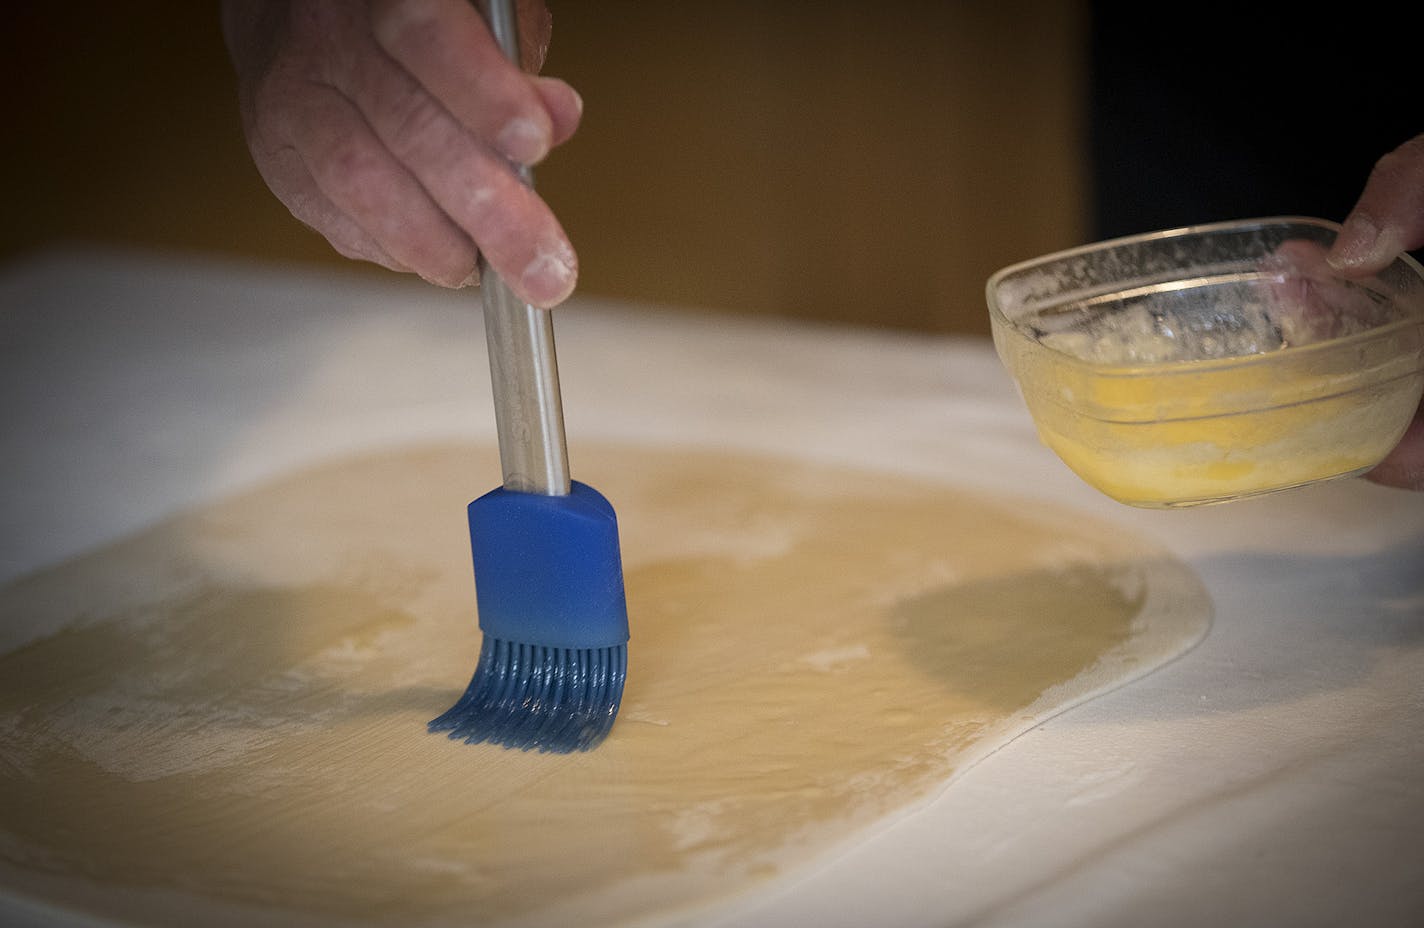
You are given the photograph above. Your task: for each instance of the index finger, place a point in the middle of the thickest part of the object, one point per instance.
(1389, 216)
(446, 46)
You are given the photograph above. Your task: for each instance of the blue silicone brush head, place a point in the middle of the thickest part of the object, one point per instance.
(549, 589)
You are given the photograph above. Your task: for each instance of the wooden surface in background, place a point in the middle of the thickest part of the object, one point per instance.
(838, 160)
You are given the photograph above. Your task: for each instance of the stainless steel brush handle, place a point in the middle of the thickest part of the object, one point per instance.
(524, 372)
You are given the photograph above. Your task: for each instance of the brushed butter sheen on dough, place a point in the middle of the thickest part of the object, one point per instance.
(221, 720)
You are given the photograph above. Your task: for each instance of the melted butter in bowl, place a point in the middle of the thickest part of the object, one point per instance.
(1212, 363)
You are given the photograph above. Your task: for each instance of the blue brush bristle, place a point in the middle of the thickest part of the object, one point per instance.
(549, 593)
(533, 697)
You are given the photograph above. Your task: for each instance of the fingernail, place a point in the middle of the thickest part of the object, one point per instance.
(522, 141)
(578, 100)
(550, 277)
(1360, 246)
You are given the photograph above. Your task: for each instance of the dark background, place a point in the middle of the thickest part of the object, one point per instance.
(841, 160)
(1226, 111)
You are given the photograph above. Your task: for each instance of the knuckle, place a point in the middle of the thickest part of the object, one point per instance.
(1390, 163)
(354, 164)
(491, 198)
(1405, 163)
(400, 25)
(418, 121)
(480, 206)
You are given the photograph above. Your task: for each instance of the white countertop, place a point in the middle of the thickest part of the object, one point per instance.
(1269, 777)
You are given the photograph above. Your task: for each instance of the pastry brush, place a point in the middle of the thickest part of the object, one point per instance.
(548, 569)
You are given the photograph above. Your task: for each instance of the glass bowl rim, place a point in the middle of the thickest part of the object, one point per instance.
(1003, 325)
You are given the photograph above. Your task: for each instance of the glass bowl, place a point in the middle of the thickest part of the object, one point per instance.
(1214, 362)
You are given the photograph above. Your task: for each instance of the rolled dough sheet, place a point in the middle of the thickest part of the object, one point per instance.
(221, 720)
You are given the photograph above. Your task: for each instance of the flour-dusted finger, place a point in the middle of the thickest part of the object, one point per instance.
(1389, 217)
(471, 183)
(446, 46)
